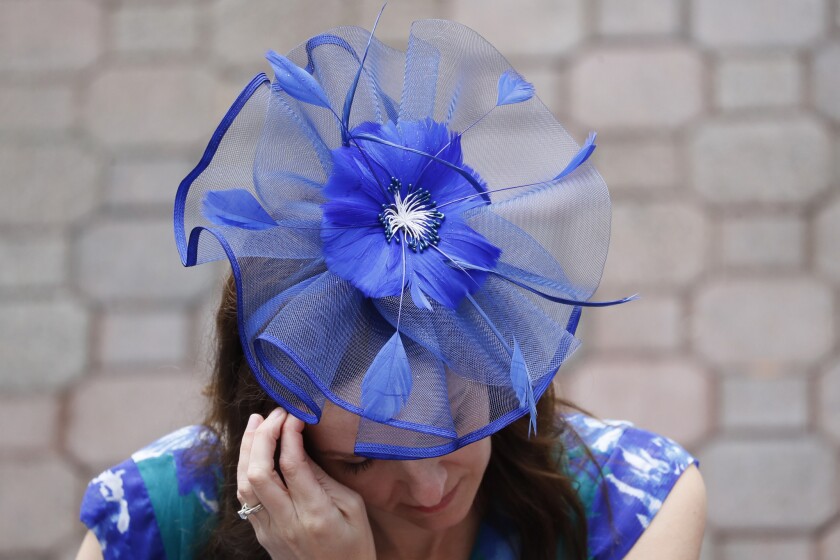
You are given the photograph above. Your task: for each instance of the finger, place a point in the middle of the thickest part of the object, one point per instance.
(262, 477)
(346, 500)
(306, 492)
(243, 487)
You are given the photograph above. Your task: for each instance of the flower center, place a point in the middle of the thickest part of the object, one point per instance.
(416, 216)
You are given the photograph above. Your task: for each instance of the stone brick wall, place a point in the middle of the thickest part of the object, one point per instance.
(719, 135)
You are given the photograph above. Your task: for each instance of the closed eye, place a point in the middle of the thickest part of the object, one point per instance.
(355, 467)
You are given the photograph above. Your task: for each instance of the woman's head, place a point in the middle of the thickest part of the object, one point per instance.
(487, 474)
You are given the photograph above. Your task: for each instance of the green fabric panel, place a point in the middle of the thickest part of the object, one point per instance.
(187, 524)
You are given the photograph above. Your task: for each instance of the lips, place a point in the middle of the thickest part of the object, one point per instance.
(440, 505)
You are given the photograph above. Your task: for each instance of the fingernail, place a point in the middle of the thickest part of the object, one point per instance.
(252, 423)
(276, 413)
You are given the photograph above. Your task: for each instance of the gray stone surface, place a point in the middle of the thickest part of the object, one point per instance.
(36, 109)
(828, 400)
(67, 37)
(757, 23)
(642, 17)
(772, 161)
(46, 183)
(54, 480)
(626, 389)
(638, 165)
(163, 28)
(780, 483)
(32, 261)
(146, 181)
(653, 323)
(718, 136)
(827, 233)
(160, 105)
(113, 416)
(29, 423)
(43, 343)
(143, 338)
(764, 404)
(773, 321)
(658, 87)
(655, 244)
(536, 20)
(136, 260)
(827, 80)
(799, 548)
(762, 241)
(758, 82)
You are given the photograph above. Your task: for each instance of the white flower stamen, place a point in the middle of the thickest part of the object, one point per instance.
(416, 216)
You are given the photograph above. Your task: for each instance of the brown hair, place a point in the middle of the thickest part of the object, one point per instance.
(524, 477)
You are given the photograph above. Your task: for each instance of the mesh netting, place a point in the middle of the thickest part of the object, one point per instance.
(308, 333)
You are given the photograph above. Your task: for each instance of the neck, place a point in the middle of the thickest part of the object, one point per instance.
(400, 540)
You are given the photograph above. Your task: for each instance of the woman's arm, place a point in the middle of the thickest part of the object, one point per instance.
(90, 549)
(676, 532)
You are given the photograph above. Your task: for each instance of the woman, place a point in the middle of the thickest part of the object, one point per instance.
(406, 279)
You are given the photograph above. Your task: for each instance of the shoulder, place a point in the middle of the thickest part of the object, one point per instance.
(624, 476)
(676, 533)
(143, 507)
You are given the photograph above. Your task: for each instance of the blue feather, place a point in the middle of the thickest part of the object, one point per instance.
(521, 382)
(418, 297)
(582, 156)
(236, 207)
(296, 81)
(513, 89)
(387, 382)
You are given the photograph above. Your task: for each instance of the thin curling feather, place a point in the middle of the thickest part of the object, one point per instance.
(513, 89)
(387, 383)
(351, 93)
(521, 382)
(236, 207)
(296, 81)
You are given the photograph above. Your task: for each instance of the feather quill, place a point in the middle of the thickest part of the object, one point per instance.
(387, 382)
(556, 299)
(296, 81)
(351, 93)
(513, 89)
(236, 207)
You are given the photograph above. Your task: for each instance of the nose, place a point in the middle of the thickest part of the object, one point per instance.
(425, 481)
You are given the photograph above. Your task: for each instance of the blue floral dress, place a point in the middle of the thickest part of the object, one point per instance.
(161, 503)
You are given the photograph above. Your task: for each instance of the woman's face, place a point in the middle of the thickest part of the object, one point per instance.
(433, 494)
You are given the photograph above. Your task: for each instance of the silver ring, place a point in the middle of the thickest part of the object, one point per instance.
(246, 511)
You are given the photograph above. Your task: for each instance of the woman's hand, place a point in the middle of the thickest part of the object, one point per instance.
(311, 516)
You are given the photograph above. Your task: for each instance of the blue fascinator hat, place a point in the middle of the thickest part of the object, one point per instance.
(412, 235)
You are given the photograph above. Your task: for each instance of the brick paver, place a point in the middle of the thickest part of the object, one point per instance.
(750, 322)
(761, 161)
(659, 87)
(745, 489)
(758, 23)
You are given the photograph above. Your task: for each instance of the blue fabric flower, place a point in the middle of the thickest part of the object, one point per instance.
(409, 208)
